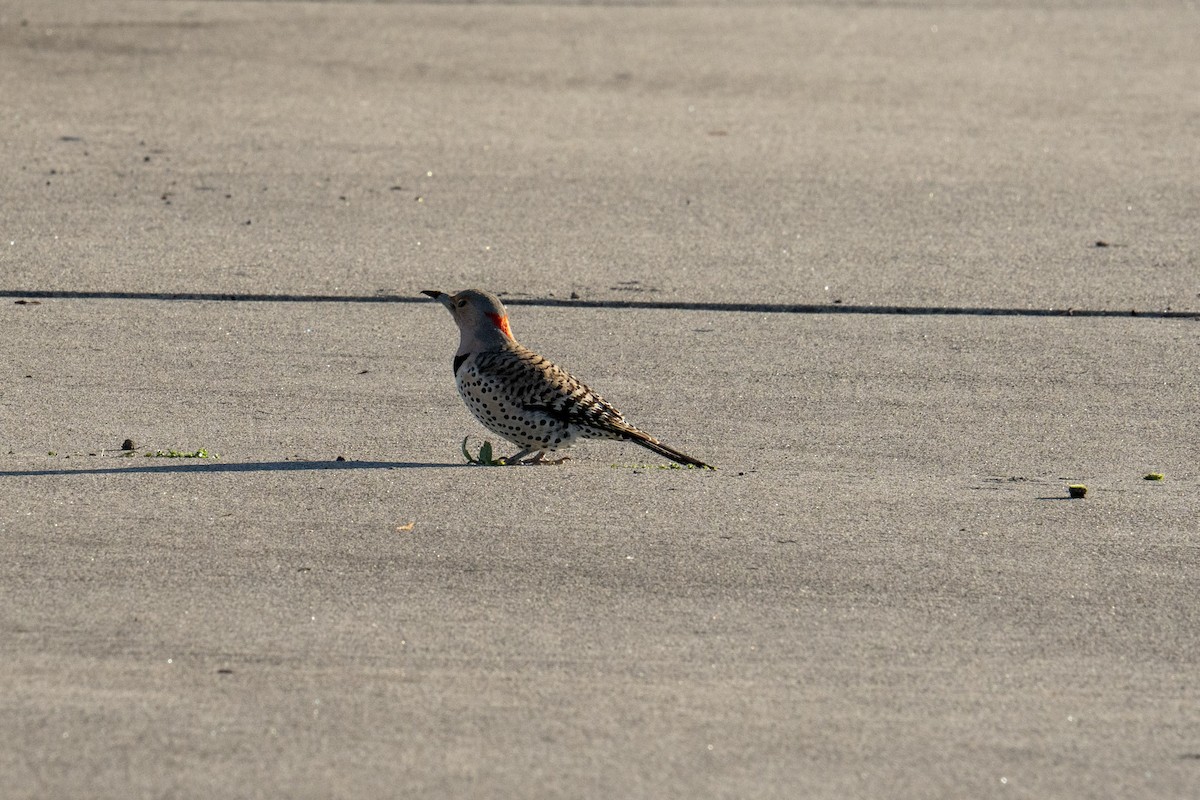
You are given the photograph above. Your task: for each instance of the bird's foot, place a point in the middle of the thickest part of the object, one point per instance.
(539, 460)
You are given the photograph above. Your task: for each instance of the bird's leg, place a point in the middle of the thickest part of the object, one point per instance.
(516, 459)
(539, 460)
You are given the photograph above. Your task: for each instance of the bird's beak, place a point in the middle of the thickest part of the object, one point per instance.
(441, 297)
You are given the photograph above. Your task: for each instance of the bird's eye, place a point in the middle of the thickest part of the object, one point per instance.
(461, 303)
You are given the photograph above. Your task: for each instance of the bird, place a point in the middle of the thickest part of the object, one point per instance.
(523, 397)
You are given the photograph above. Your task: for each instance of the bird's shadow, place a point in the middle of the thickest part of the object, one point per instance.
(217, 468)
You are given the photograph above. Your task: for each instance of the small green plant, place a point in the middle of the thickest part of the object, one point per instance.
(201, 453)
(485, 457)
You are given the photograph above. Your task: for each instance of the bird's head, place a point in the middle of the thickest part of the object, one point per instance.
(481, 318)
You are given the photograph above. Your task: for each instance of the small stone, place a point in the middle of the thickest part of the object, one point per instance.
(1077, 491)
(128, 444)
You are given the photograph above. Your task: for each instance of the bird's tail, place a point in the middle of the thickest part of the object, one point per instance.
(650, 443)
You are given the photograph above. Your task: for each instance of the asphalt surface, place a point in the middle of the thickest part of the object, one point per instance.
(902, 272)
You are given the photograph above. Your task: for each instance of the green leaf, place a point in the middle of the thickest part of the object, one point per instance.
(486, 457)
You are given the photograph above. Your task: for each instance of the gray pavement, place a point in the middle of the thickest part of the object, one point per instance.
(883, 592)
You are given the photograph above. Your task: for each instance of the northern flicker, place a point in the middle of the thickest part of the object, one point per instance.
(523, 397)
